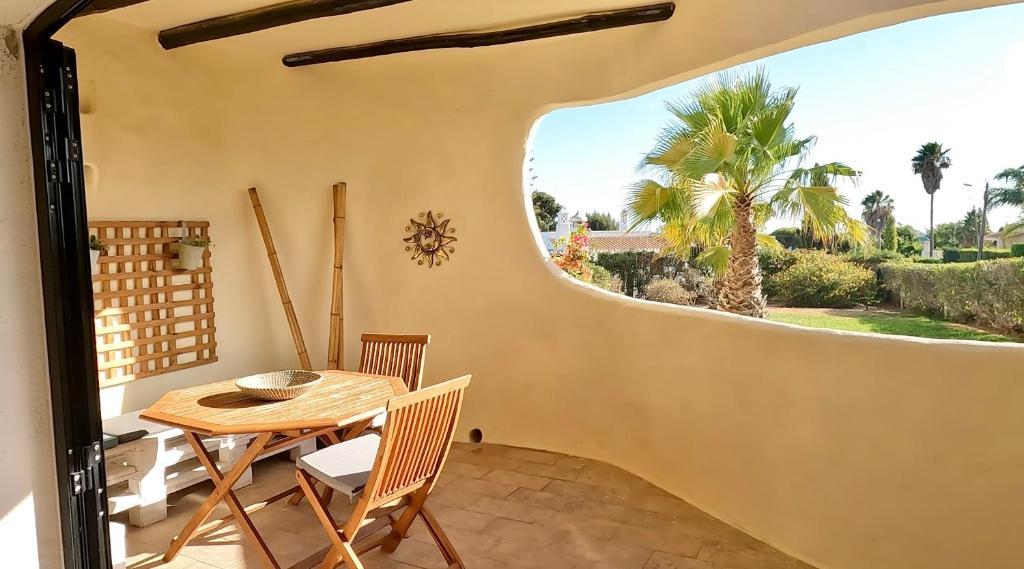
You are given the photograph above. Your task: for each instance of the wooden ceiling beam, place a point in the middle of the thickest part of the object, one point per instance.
(578, 25)
(263, 18)
(100, 6)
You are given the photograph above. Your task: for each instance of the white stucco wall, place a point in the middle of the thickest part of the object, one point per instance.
(851, 452)
(29, 523)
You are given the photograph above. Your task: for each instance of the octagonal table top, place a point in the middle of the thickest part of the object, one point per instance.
(340, 399)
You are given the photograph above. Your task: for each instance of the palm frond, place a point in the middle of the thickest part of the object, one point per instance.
(769, 242)
(648, 200)
(716, 258)
(714, 204)
(1006, 196)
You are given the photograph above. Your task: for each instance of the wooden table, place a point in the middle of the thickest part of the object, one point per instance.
(341, 399)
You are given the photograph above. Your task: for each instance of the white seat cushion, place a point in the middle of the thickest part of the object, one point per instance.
(345, 466)
(378, 421)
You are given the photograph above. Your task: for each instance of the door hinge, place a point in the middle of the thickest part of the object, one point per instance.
(49, 101)
(89, 477)
(77, 483)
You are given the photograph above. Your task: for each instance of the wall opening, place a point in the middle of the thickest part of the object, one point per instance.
(850, 185)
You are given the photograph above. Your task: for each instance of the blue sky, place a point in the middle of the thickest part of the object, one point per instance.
(872, 100)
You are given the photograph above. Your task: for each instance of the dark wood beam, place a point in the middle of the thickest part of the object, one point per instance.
(100, 6)
(578, 25)
(263, 18)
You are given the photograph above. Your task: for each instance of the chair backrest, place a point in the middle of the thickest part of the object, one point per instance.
(395, 355)
(417, 436)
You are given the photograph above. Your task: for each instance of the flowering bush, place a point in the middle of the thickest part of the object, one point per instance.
(572, 254)
(818, 279)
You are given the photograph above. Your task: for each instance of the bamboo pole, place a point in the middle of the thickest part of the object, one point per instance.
(282, 289)
(336, 341)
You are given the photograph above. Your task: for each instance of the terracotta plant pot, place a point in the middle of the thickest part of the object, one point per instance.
(190, 257)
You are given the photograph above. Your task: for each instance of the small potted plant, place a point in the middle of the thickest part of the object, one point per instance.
(96, 247)
(190, 251)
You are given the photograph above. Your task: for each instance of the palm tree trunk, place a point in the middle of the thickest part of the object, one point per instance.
(741, 290)
(931, 228)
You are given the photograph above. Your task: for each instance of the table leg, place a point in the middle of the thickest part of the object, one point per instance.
(222, 491)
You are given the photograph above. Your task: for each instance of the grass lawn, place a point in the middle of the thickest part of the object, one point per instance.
(882, 323)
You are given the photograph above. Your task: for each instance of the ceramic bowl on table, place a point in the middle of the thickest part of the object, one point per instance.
(278, 385)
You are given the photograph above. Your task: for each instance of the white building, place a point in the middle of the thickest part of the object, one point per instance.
(617, 241)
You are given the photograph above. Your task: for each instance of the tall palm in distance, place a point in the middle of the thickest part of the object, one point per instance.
(878, 208)
(728, 162)
(929, 162)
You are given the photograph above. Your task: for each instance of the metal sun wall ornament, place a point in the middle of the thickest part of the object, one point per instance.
(430, 239)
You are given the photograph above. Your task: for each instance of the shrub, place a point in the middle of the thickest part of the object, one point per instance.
(615, 284)
(669, 291)
(600, 276)
(873, 257)
(818, 279)
(1017, 250)
(774, 262)
(701, 283)
(636, 268)
(990, 294)
(969, 255)
(926, 261)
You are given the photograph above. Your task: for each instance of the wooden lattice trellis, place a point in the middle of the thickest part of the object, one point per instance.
(151, 318)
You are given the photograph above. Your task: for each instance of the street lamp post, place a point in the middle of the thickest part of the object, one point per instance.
(983, 221)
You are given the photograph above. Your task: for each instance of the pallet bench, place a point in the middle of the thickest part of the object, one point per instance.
(141, 473)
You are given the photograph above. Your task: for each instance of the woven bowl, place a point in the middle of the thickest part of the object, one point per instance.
(278, 385)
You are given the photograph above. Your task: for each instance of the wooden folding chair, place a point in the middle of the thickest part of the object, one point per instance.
(395, 355)
(396, 469)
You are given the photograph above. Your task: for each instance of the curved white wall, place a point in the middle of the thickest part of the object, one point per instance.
(851, 452)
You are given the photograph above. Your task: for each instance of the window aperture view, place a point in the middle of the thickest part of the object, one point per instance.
(870, 184)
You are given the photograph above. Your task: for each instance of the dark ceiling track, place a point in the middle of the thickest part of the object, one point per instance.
(100, 6)
(578, 25)
(263, 18)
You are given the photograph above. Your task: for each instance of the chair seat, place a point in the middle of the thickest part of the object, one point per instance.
(345, 466)
(378, 421)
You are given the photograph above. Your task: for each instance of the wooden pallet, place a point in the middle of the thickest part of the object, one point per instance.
(151, 318)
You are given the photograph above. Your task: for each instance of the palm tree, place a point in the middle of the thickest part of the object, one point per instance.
(929, 162)
(727, 163)
(878, 208)
(1012, 195)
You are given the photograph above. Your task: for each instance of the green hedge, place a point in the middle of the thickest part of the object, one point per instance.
(990, 294)
(872, 258)
(1017, 250)
(967, 255)
(817, 279)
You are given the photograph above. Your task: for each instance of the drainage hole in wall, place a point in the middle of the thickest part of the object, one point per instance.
(476, 436)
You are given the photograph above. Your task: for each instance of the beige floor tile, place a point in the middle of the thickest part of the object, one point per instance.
(517, 479)
(509, 510)
(502, 507)
(662, 560)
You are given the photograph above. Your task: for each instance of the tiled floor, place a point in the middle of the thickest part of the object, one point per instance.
(503, 507)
